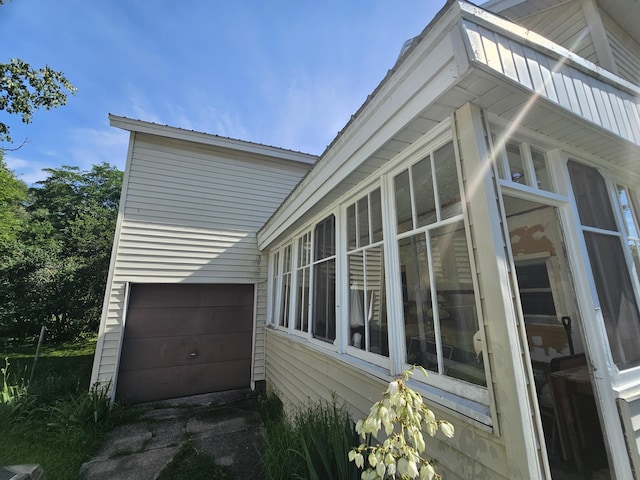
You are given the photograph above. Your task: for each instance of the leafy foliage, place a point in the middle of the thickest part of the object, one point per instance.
(312, 444)
(24, 89)
(54, 264)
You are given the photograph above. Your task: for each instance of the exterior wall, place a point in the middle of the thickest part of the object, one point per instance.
(190, 213)
(301, 373)
(566, 25)
(626, 51)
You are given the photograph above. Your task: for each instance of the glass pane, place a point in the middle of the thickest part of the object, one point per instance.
(356, 300)
(351, 227)
(627, 213)
(375, 306)
(456, 306)
(423, 192)
(447, 181)
(542, 173)
(363, 222)
(403, 202)
(284, 307)
(325, 239)
(324, 301)
(418, 325)
(516, 166)
(591, 197)
(376, 216)
(302, 301)
(498, 159)
(617, 300)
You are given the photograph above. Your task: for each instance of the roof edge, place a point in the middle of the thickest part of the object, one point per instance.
(177, 133)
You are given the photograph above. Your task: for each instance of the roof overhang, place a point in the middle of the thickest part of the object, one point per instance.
(467, 54)
(217, 141)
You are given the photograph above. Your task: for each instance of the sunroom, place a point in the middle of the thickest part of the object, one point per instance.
(479, 217)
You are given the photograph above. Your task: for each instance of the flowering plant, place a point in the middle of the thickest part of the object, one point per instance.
(403, 415)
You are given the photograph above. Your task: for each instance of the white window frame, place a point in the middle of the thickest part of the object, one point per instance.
(457, 387)
(344, 321)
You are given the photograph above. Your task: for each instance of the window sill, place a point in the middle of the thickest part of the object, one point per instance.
(461, 408)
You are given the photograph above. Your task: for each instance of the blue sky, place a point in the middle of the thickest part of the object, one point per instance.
(283, 73)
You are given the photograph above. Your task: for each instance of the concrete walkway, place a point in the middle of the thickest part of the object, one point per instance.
(225, 426)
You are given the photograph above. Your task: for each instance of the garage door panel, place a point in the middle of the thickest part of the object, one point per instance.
(184, 295)
(184, 340)
(161, 322)
(179, 381)
(144, 353)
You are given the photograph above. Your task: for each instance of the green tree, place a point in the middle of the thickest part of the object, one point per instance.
(23, 89)
(54, 274)
(13, 195)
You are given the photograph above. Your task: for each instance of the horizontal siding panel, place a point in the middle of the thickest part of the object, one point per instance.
(191, 213)
(301, 374)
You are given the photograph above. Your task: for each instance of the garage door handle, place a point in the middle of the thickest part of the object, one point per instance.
(193, 354)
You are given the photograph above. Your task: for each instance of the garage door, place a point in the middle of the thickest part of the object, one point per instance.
(184, 340)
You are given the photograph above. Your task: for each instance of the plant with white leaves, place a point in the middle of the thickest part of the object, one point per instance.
(404, 417)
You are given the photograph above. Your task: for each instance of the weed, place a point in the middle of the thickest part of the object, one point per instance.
(313, 444)
(189, 464)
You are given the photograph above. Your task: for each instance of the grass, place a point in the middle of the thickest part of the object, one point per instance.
(58, 424)
(312, 444)
(189, 464)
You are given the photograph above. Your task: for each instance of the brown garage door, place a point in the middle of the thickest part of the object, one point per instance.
(184, 340)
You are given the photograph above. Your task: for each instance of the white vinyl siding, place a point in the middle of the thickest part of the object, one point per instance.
(566, 25)
(190, 214)
(626, 52)
(300, 373)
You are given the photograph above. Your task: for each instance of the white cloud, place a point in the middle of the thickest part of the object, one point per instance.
(92, 146)
(28, 171)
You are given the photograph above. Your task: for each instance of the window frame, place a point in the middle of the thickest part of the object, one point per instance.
(455, 386)
(344, 321)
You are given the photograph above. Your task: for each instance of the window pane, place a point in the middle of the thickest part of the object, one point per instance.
(627, 212)
(617, 300)
(376, 216)
(286, 287)
(274, 287)
(540, 167)
(324, 301)
(456, 306)
(403, 202)
(516, 166)
(325, 245)
(591, 196)
(363, 222)
(357, 300)
(447, 181)
(423, 192)
(302, 301)
(418, 325)
(351, 227)
(375, 307)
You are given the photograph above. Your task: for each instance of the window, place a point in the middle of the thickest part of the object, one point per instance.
(368, 328)
(302, 281)
(523, 164)
(604, 246)
(324, 280)
(275, 287)
(630, 212)
(285, 296)
(440, 318)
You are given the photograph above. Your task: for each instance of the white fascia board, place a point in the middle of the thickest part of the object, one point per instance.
(207, 139)
(542, 44)
(427, 72)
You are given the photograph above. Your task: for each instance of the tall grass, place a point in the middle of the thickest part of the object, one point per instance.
(55, 421)
(313, 444)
